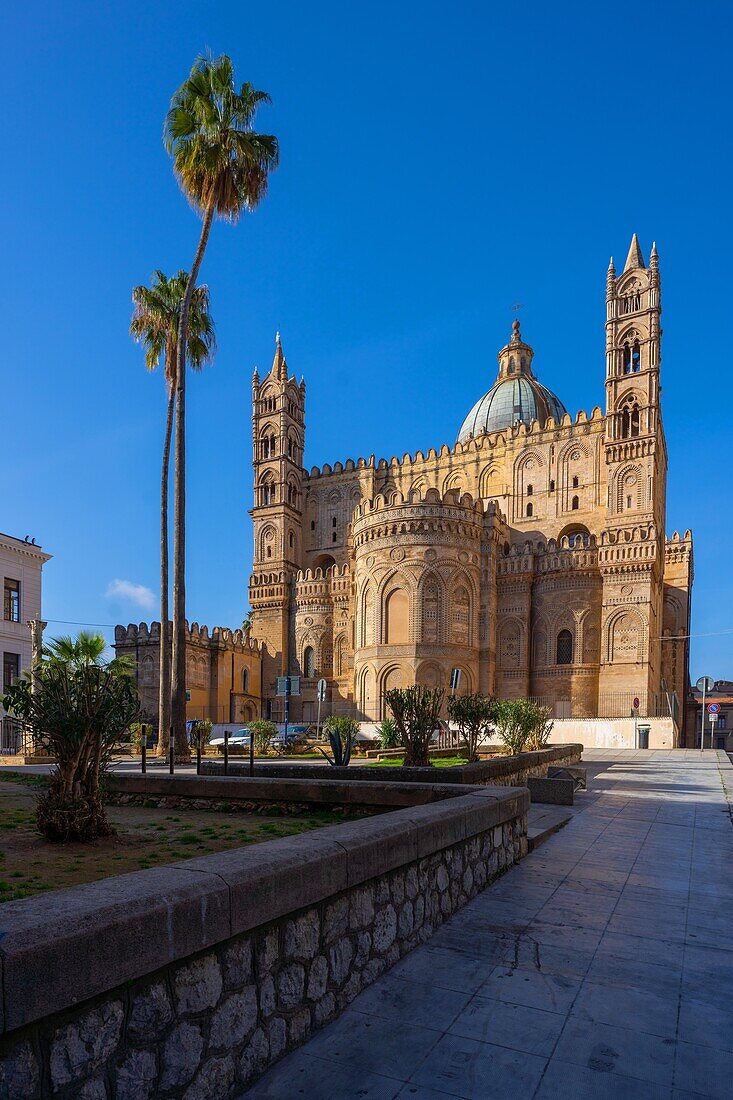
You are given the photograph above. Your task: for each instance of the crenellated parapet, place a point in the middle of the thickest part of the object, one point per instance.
(196, 635)
(678, 548)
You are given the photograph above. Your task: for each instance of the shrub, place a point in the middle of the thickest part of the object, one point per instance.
(201, 733)
(415, 711)
(262, 730)
(389, 735)
(78, 707)
(341, 732)
(521, 723)
(474, 716)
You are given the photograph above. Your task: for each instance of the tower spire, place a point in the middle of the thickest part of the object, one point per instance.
(634, 258)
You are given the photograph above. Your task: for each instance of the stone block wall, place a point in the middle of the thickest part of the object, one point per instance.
(204, 1026)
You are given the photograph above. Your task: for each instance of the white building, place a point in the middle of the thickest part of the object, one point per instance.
(21, 563)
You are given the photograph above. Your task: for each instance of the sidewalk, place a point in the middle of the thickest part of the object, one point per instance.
(601, 966)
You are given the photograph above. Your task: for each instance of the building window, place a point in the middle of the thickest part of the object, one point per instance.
(529, 490)
(333, 521)
(529, 510)
(313, 525)
(245, 681)
(12, 601)
(575, 483)
(291, 540)
(564, 648)
(333, 537)
(309, 664)
(11, 669)
(552, 486)
(636, 358)
(575, 504)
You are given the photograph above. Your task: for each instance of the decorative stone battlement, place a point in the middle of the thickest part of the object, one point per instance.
(142, 634)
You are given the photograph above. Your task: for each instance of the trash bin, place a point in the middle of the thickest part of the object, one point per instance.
(643, 737)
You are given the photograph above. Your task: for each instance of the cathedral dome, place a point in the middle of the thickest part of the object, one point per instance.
(516, 396)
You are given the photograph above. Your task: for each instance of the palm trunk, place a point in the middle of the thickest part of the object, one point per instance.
(164, 689)
(178, 692)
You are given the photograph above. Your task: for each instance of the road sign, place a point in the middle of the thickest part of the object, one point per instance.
(705, 684)
(321, 690)
(713, 708)
(288, 685)
(455, 679)
(636, 702)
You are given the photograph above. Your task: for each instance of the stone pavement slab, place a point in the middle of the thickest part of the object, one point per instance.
(599, 967)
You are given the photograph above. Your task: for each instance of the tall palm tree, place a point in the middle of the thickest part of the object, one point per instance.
(222, 165)
(155, 324)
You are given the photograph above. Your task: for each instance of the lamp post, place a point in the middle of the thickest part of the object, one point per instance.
(705, 685)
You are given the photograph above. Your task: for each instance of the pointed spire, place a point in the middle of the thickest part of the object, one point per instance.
(610, 280)
(634, 258)
(654, 257)
(611, 267)
(279, 365)
(255, 378)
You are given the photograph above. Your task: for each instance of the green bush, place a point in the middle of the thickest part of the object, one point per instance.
(521, 724)
(474, 715)
(262, 730)
(389, 735)
(341, 732)
(415, 711)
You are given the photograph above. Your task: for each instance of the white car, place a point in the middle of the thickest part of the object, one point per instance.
(239, 739)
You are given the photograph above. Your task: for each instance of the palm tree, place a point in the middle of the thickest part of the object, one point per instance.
(222, 166)
(155, 324)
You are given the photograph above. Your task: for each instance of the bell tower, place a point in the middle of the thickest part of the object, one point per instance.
(631, 556)
(278, 439)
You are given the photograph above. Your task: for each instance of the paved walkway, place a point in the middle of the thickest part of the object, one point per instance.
(601, 966)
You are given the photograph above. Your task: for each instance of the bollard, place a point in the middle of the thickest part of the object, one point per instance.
(143, 746)
(226, 752)
(171, 750)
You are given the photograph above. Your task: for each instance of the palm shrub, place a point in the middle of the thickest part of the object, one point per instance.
(415, 711)
(79, 708)
(263, 731)
(520, 722)
(389, 735)
(222, 165)
(341, 732)
(474, 716)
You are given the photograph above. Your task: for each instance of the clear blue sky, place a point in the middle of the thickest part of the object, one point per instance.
(439, 163)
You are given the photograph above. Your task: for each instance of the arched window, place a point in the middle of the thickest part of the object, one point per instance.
(309, 663)
(529, 490)
(575, 505)
(575, 483)
(245, 681)
(397, 618)
(529, 510)
(552, 486)
(564, 654)
(291, 540)
(627, 359)
(635, 420)
(636, 358)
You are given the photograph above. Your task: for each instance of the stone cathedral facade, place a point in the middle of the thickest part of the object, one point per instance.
(532, 554)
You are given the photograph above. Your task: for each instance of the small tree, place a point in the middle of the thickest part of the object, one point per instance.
(474, 716)
(341, 732)
(520, 722)
(389, 735)
(415, 711)
(78, 708)
(541, 731)
(202, 732)
(263, 731)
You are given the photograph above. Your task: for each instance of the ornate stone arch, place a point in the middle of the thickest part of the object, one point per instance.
(430, 674)
(628, 489)
(625, 637)
(367, 692)
(540, 635)
(367, 618)
(431, 595)
(455, 482)
(267, 544)
(529, 483)
(511, 644)
(487, 477)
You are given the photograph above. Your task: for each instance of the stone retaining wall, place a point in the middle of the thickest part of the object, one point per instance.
(510, 771)
(188, 981)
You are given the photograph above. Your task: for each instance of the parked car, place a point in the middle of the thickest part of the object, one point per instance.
(296, 732)
(239, 740)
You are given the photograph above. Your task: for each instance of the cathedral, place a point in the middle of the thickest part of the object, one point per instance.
(531, 555)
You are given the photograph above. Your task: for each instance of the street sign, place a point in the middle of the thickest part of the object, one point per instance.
(288, 685)
(636, 702)
(321, 691)
(705, 684)
(713, 708)
(455, 679)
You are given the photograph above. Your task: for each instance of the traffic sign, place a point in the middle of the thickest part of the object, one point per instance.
(455, 679)
(321, 690)
(636, 702)
(705, 684)
(713, 708)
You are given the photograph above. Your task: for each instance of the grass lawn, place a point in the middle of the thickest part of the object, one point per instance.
(145, 838)
(437, 761)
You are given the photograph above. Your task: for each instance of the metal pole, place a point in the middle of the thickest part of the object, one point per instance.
(702, 724)
(287, 707)
(251, 753)
(226, 752)
(318, 718)
(171, 750)
(198, 750)
(143, 746)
